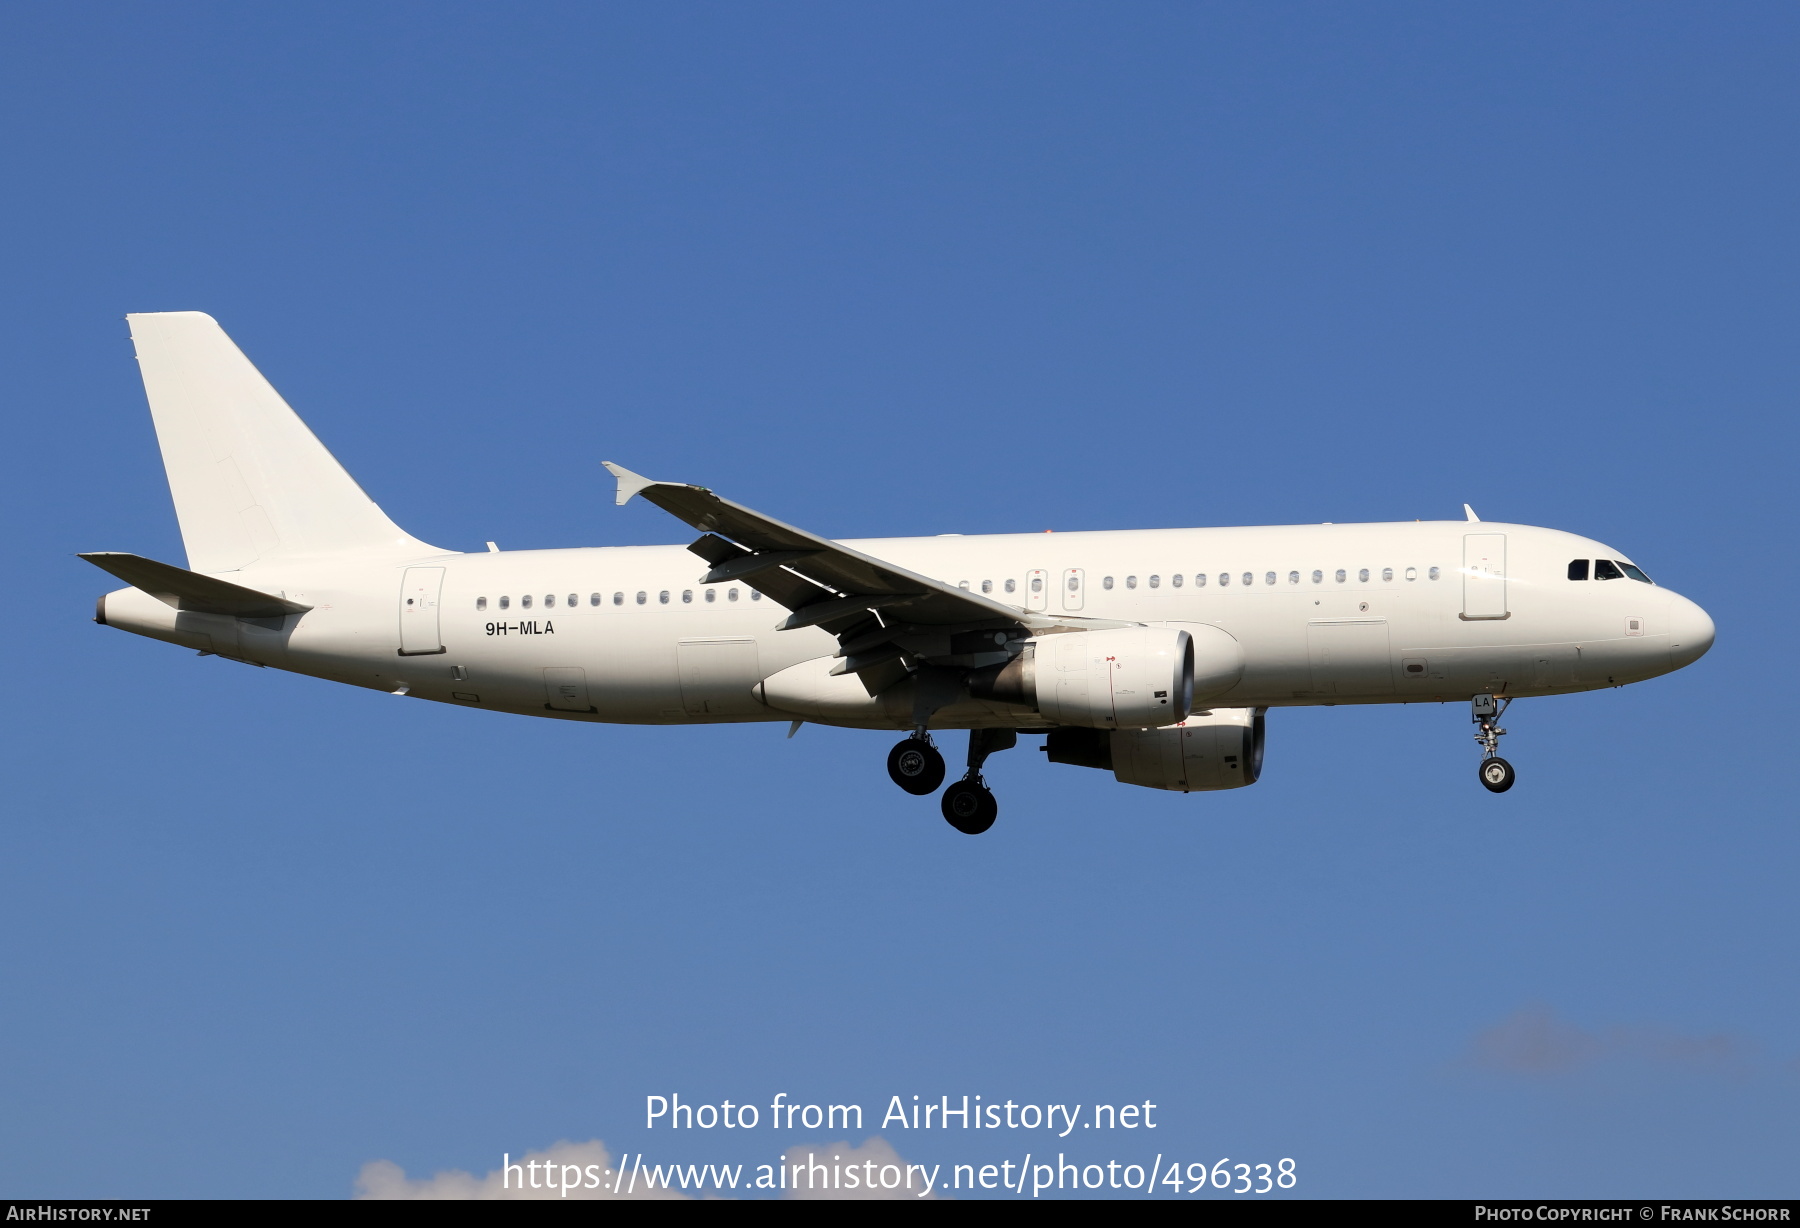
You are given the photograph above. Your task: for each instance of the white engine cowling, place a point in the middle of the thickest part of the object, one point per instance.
(1113, 679)
(1120, 678)
(1220, 749)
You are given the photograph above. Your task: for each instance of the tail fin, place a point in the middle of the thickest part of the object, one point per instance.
(250, 481)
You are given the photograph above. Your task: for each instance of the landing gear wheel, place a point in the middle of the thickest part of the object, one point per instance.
(916, 766)
(1496, 775)
(969, 807)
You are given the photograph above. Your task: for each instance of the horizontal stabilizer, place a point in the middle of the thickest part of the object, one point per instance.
(188, 590)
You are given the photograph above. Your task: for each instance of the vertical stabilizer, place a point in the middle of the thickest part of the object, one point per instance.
(249, 480)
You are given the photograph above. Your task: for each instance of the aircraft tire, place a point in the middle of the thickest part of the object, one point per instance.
(916, 766)
(1497, 775)
(969, 807)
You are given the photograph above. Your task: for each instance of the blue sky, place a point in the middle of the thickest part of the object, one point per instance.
(882, 270)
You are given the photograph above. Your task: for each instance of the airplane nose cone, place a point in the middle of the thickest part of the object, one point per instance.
(1690, 632)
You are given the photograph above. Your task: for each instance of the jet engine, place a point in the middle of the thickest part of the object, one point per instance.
(1220, 749)
(1108, 679)
(1119, 678)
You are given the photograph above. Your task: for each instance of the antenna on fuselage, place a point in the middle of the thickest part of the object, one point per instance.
(1470, 513)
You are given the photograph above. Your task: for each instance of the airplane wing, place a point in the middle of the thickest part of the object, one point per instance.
(823, 583)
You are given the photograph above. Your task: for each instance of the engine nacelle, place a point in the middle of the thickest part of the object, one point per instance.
(1220, 749)
(1120, 678)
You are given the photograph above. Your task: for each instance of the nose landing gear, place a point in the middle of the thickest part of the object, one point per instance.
(1497, 774)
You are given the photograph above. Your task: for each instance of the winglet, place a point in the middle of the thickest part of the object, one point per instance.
(1467, 510)
(629, 483)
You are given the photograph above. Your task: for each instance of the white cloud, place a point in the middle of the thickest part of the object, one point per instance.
(1534, 1041)
(587, 1167)
(827, 1171)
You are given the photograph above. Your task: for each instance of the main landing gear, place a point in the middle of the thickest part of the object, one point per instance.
(968, 805)
(1497, 774)
(916, 766)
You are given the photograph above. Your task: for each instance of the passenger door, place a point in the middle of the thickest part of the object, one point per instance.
(419, 590)
(1484, 576)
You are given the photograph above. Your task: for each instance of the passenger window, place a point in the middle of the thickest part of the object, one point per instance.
(1578, 569)
(575, 600)
(593, 598)
(963, 585)
(1387, 575)
(755, 595)
(1636, 573)
(1362, 577)
(987, 586)
(731, 595)
(1224, 578)
(1037, 584)
(1340, 575)
(1432, 574)
(1412, 573)
(712, 594)
(1249, 578)
(1011, 585)
(1130, 581)
(642, 596)
(1293, 577)
(505, 602)
(687, 596)
(525, 602)
(1175, 580)
(481, 603)
(618, 598)
(1200, 579)
(1074, 584)
(1155, 581)
(663, 596)
(1318, 577)
(1605, 570)
(1106, 583)
(549, 601)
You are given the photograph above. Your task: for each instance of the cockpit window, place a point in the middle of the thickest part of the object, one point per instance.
(1635, 572)
(1578, 569)
(1606, 569)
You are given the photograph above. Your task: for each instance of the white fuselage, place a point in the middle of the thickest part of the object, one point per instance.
(1436, 610)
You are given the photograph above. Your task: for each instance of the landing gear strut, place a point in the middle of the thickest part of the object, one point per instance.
(969, 805)
(1497, 774)
(916, 766)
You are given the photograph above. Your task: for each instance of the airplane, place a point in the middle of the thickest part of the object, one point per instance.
(1152, 654)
